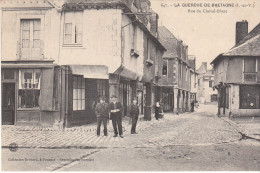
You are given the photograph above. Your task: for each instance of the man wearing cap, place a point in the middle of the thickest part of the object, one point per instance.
(116, 109)
(134, 113)
(102, 112)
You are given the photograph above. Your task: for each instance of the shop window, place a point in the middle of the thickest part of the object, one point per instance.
(73, 28)
(101, 88)
(78, 93)
(249, 97)
(164, 69)
(29, 88)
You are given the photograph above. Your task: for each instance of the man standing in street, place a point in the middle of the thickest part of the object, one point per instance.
(102, 112)
(134, 113)
(116, 110)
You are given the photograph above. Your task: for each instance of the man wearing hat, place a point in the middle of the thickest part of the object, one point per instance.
(116, 108)
(102, 112)
(134, 113)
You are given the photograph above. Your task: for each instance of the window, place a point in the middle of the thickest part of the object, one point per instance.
(78, 93)
(250, 69)
(29, 88)
(30, 33)
(186, 77)
(8, 74)
(134, 38)
(101, 88)
(250, 65)
(164, 69)
(73, 28)
(249, 97)
(210, 83)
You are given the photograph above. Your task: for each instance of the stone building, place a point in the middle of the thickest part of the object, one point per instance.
(59, 57)
(237, 74)
(206, 92)
(176, 73)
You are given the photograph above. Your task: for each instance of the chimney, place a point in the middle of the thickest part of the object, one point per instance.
(205, 65)
(154, 23)
(241, 30)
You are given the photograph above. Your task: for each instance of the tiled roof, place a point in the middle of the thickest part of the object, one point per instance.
(248, 46)
(169, 41)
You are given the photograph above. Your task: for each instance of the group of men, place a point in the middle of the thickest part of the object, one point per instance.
(114, 112)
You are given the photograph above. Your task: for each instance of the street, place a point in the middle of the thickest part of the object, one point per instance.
(198, 141)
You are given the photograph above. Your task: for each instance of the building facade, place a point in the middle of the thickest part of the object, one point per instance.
(59, 57)
(193, 78)
(206, 92)
(237, 74)
(176, 73)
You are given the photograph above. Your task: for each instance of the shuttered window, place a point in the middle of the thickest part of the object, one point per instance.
(30, 33)
(73, 28)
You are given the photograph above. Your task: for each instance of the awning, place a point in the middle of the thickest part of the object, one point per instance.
(126, 73)
(90, 71)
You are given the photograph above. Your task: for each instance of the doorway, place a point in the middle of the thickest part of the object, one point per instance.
(8, 103)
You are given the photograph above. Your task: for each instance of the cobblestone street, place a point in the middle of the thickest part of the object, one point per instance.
(201, 129)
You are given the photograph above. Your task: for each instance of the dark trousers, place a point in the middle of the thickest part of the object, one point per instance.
(99, 122)
(157, 112)
(134, 122)
(117, 123)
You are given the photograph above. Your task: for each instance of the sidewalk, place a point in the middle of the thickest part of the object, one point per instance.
(247, 126)
(47, 137)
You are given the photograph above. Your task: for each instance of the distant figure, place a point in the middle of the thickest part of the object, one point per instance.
(192, 106)
(134, 113)
(116, 109)
(157, 108)
(102, 112)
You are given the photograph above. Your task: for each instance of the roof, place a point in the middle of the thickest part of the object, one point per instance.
(169, 41)
(248, 46)
(202, 69)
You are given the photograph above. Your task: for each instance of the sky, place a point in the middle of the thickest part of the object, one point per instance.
(207, 34)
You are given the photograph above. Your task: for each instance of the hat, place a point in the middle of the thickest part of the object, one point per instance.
(113, 96)
(102, 98)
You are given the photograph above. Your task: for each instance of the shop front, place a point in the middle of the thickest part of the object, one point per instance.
(27, 94)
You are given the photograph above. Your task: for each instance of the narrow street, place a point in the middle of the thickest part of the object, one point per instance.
(190, 141)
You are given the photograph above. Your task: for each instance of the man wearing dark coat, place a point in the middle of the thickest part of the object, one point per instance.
(116, 109)
(134, 113)
(102, 113)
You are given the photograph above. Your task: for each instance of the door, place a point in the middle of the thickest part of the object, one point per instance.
(8, 103)
(140, 101)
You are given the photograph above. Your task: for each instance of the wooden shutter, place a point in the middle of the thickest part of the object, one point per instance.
(46, 97)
